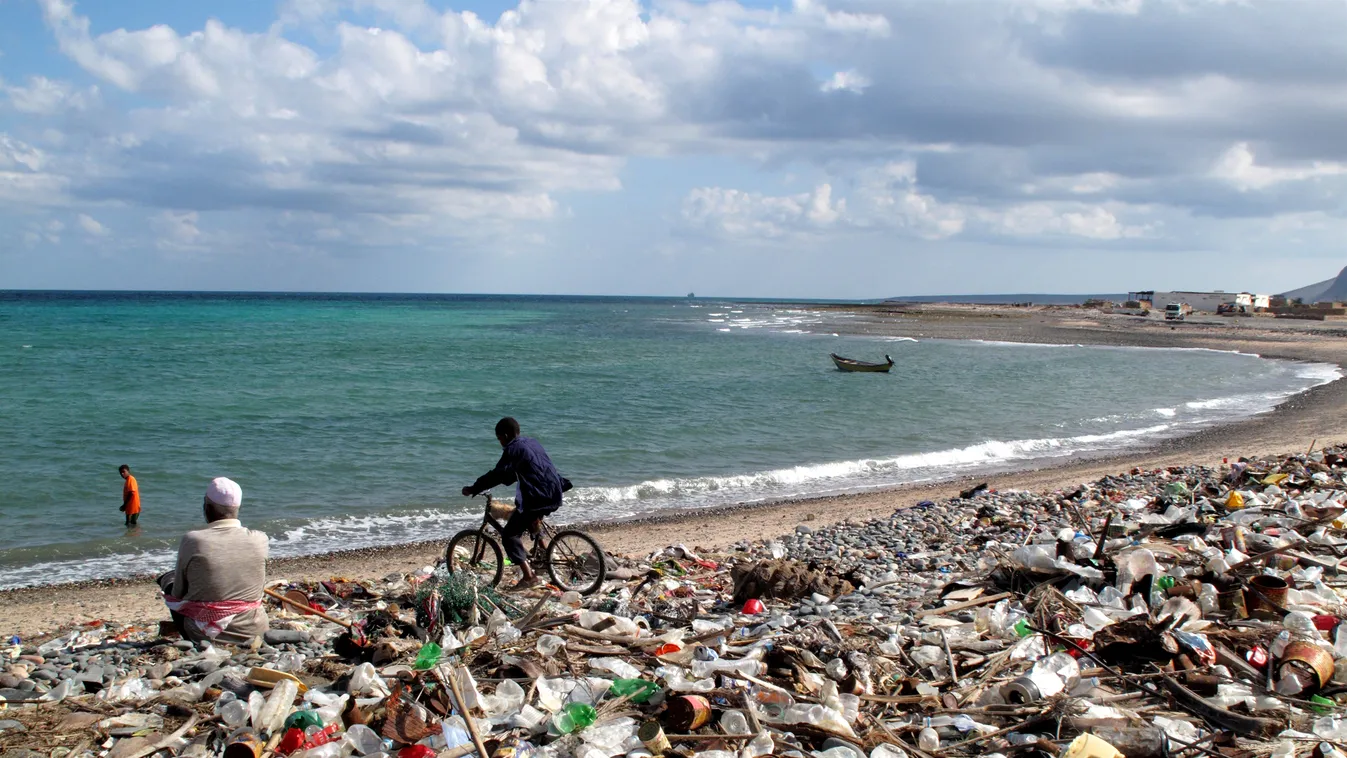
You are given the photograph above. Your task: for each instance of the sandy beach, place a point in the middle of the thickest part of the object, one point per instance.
(1313, 416)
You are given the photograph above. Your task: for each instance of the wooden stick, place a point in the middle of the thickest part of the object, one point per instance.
(528, 620)
(953, 672)
(751, 710)
(966, 604)
(689, 737)
(467, 718)
(621, 639)
(990, 735)
(165, 742)
(306, 608)
(1313, 442)
(1103, 535)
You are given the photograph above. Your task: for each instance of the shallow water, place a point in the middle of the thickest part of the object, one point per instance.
(353, 420)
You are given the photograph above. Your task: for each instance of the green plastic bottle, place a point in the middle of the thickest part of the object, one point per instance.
(1022, 628)
(302, 720)
(428, 657)
(575, 717)
(639, 690)
(1164, 582)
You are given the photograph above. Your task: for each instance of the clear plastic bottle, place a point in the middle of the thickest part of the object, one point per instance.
(1300, 623)
(742, 668)
(734, 722)
(1206, 599)
(928, 740)
(549, 645)
(363, 740)
(1279, 644)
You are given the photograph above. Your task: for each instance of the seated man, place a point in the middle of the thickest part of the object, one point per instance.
(215, 592)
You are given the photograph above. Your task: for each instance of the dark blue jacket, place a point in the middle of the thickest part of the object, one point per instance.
(525, 461)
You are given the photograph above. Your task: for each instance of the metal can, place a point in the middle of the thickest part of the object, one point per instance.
(652, 736)
(244, 744)
(1257, 657)
(686, 713)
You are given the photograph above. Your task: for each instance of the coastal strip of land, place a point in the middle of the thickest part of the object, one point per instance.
(1313, 417)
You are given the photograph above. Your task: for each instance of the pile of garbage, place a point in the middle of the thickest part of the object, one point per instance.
(1187, 611)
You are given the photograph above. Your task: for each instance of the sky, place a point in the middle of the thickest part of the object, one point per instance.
(822, 149)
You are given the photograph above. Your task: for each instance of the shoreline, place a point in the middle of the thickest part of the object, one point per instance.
(1313, 414)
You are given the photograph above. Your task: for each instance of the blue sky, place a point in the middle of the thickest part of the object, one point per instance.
(847, 148)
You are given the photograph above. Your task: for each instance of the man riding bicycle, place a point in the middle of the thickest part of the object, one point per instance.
(538, 491)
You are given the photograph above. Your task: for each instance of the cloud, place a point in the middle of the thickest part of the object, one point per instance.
(1238, 167)
(392, 124)
(91, 226)
(177, 230)
(888, 200)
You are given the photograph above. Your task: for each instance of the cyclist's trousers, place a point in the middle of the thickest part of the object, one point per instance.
(519, 523)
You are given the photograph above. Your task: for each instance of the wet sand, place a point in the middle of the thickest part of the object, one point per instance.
(1314, 416)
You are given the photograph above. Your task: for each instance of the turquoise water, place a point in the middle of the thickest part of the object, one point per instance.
(353, 420)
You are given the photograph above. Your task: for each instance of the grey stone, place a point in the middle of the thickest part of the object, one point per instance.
(12, 694)
(283, 636)
(10, 726)
(9, 681)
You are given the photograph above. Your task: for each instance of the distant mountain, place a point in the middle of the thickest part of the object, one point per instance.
(1331, 290)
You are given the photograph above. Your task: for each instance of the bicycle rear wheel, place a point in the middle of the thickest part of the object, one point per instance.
(474, 553)
(576, 562)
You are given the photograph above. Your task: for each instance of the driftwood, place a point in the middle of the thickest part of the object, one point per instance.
(1218, 716)
(963, 605)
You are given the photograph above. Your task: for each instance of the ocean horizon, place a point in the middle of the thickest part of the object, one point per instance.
(352, 419)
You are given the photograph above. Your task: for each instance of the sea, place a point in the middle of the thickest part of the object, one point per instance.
(354, 420)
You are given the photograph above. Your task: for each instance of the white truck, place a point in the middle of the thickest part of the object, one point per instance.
(1176, 311)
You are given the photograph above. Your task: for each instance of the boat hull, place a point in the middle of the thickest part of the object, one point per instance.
(860, 367)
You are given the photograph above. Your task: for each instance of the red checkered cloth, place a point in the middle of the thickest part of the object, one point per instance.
(211, 616)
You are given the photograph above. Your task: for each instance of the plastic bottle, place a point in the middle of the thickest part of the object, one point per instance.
(1279, 644)
(1300, 623)
(734, 722)
(1206, 599)
(549, 645)
(638, 690)
(928, 740)
(428, 657)
(277, 706)
(742, 668)
(363, 740)
(303, 720)
(574, 717)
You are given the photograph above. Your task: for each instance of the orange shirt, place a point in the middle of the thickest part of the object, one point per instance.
(132, 489)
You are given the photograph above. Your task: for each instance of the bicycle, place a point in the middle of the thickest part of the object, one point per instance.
(573, 559)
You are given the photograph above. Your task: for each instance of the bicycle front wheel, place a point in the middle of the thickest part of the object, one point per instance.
(471, 552)
(576, 562)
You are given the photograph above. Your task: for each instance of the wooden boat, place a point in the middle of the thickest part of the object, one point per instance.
(847, 364)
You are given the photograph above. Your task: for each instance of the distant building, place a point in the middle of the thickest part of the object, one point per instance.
(1199, 301)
